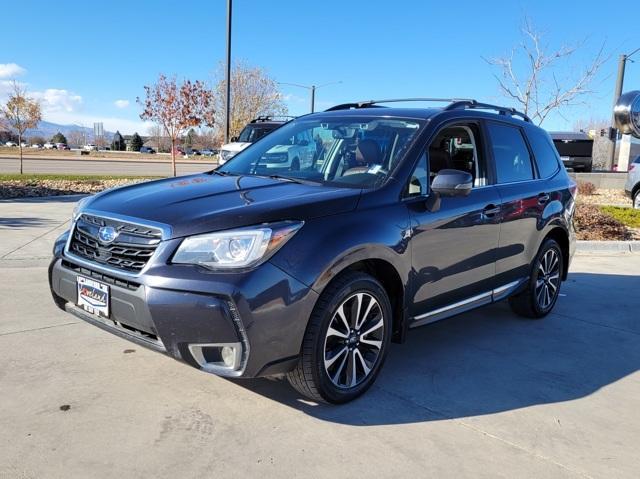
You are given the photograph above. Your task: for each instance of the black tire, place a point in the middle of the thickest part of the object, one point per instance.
(311, 377)
(636, 200)
(588, 168)
(295, 164)
(528, 303)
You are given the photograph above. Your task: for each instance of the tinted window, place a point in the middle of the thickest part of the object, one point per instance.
(544, 152)
(510, 152)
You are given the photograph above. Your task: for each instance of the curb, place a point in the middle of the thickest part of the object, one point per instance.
(608, 247)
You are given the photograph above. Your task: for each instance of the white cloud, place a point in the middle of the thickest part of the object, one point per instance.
(10, 70)
(55, 100)
(121, 104)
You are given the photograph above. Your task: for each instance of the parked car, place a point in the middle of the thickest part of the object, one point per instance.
(36, 146)
(24, 144)
(90, 147)
(147, 149)
(632, 186)
(11, 143)
(251, 133)
(192, 152)
(412, 216)
(209, 152)
(49, 146)
(575, 149)
(62, 146)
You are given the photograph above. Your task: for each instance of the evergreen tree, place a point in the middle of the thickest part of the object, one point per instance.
(136, 142)
(59, 138)
(118, 144)
(191, 138)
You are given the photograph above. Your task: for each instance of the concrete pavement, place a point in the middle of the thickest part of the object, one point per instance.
(485, 394)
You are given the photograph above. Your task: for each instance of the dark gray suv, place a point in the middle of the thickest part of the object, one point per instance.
(403, 217)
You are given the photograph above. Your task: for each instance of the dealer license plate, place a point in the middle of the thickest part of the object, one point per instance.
(93, 296)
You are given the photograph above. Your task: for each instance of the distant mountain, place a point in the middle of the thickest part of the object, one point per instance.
(47, 129)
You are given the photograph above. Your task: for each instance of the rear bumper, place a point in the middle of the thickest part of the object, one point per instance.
(176, 309)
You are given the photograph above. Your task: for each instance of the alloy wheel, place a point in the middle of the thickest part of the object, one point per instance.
(548, 279)
(636, 201)
(353, 341)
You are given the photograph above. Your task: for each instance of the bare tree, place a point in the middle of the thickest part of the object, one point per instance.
(159, 138)
(21, 113)
(178, 107)
(253, 93)
(540, 81)
(76, 138)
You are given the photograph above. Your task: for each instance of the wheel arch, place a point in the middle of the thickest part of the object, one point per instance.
(561, 236)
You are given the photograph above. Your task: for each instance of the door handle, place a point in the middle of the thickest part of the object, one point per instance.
(491, 210)
(543, 198)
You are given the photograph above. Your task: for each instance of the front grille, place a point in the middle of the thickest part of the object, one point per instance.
(105, 278)
(130, 251)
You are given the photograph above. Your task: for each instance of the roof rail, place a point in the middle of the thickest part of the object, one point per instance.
(454, 104)
(272, 118)
(374, 103)
(473, 104)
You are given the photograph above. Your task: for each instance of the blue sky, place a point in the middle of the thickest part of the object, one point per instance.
(88, 61)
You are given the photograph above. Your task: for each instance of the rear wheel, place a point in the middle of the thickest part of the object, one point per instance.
(346, 340)
(542, 291)
(636, 199)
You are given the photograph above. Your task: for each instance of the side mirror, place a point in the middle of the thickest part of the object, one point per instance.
(452, 183)
(234, 139)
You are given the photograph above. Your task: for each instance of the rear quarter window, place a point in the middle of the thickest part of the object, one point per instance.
(544, 152)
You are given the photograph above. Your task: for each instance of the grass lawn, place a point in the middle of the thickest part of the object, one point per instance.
(627, 216)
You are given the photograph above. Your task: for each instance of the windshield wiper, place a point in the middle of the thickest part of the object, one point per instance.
(300, 181)
(221, 173)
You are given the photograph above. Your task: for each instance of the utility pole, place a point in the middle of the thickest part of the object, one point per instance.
(622, 63)
(227, 127)
(313, 98)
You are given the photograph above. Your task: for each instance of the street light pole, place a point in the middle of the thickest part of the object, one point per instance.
(227, 127)
(622, 63)
(312, 88)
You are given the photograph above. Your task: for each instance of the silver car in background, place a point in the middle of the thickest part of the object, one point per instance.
(632, 186)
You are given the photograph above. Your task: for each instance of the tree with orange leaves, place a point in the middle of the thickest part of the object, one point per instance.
(176, 108)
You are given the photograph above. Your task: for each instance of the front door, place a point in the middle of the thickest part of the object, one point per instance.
(453, 247)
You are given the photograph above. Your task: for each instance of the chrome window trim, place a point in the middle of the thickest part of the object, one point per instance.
(165, 231)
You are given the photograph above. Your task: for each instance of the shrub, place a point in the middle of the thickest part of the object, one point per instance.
(627, 216)
(586, 188)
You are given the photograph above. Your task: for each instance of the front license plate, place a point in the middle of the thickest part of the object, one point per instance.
(93, 296)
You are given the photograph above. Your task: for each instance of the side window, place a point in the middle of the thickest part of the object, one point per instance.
(513, 162)
(544, 152)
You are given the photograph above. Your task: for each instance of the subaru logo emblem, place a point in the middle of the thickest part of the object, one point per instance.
(107, 234)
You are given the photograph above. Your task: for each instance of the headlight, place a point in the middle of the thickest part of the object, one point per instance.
(241, 248)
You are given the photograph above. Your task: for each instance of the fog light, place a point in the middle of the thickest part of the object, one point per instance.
(228, 356)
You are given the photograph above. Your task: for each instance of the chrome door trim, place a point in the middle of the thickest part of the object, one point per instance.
(496, 294)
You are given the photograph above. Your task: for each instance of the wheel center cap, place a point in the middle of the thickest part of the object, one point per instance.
(353, 339)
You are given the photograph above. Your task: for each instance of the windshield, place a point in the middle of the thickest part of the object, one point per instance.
(355, 152)
(251, 133)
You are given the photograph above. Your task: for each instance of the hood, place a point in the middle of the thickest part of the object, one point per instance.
(237, 146)
(203, 203)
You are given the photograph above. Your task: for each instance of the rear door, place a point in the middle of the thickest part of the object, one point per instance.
(523, 199)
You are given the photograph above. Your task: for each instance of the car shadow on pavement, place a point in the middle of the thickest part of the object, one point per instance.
(26, 222)
(490, 360)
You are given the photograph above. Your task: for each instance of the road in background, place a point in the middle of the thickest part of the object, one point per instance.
(81, 166)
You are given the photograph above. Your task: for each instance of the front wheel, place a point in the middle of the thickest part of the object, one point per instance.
(346, 340)
(543, 288)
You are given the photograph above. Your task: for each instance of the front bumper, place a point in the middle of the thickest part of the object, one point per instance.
(175, 308)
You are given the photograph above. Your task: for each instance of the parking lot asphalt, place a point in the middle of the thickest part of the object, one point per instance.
(484, 394)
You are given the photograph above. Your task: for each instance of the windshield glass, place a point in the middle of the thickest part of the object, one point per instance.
(251, 133)
(355, 152)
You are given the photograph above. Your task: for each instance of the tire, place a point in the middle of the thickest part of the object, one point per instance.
(333, 363)
(295, 164)
(543, 288)
(588, 168)
(636, 200)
